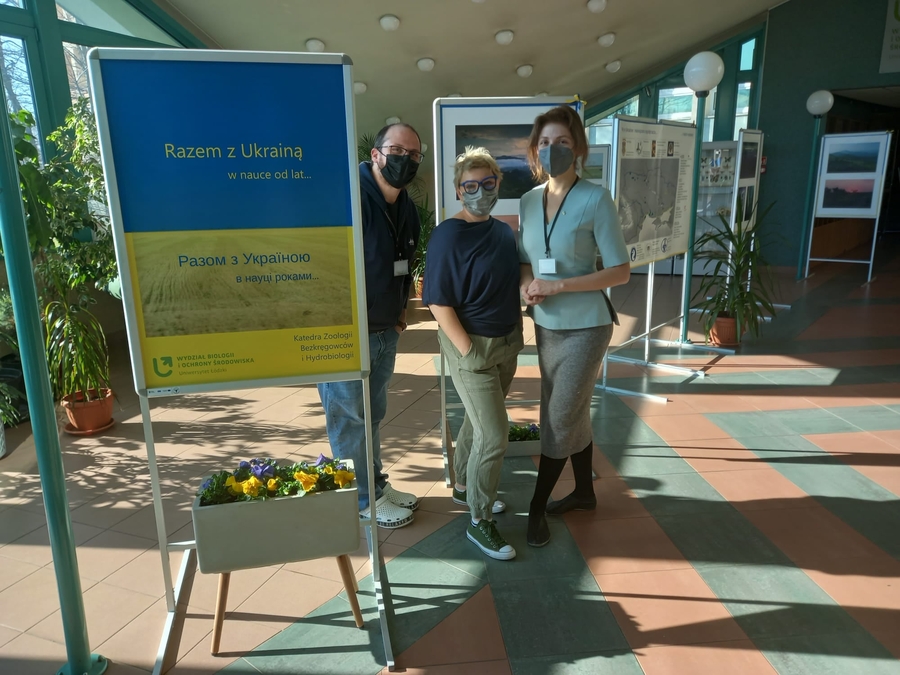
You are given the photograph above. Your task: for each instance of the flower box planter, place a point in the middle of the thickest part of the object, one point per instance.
(317, 525)
(523, 448)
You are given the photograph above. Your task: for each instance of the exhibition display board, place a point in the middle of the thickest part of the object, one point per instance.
(239, 244)
(850, 184)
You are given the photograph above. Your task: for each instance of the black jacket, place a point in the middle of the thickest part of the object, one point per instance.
(386, 295)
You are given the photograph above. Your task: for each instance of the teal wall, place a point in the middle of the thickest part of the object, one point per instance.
(811, 45)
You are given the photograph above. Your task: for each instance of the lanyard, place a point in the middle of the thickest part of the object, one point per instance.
(549, 234)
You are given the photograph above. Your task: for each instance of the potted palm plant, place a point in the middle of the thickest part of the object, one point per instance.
(736, 292)
(72, 249)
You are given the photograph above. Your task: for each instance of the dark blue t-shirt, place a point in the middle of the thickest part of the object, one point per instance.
(474, 268)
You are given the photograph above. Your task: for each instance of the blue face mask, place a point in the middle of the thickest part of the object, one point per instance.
(482, 202)
(556, 159)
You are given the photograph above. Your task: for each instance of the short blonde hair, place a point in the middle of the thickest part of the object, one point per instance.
(474, 158)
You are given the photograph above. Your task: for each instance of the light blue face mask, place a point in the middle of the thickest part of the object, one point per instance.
(556, 159)
(482, 202)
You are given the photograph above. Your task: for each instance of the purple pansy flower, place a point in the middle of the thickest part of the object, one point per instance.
(322, 460)
(244, 465)
(263, 471)
(206, 484)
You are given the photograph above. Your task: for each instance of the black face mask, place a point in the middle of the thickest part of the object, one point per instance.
(399, 170)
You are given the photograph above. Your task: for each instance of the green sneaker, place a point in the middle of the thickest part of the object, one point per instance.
(459, 497)
(486, 537)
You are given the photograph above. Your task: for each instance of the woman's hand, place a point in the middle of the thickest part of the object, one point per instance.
(541, 288)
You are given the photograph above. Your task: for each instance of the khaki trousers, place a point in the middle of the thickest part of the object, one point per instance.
(482, 377)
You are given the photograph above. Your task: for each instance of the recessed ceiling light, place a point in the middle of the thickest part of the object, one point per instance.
(542, 93)
(478, 1)
(613, 66)
(424, 147)
(454, 95)
(524, 71)
(360, 88)
(392, 120)
(315, 45)
(504, 37)
(596, 6)
(425, 65)
(389, 22)
(606, 40)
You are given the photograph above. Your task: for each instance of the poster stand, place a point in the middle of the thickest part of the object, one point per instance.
(631, 138)
(126, 77)
(457, 122)
(850, 184)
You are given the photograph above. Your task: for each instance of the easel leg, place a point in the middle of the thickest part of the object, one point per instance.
(219, 617)
(350, 586)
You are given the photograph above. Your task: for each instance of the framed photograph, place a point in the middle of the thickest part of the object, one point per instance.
(851, 174)
(502, 125)
(596, 170)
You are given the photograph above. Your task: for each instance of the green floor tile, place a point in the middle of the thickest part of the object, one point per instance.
(738, 425)
(624, 431)
(645, 460)
(812, 421)
(620, 662)
(675, 494)
(561, 557)
(777, 601)
(870, 418)
(796, 377)
(560, 616)
(450, 546)
(718, 536)
(835, 654)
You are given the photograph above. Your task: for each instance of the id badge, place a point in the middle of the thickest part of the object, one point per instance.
(547, 266)
(401, 268)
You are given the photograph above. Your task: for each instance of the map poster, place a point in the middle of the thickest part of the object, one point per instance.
(237, 243)
(654, 168)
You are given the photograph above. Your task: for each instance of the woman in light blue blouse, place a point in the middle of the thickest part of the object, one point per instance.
(564, 225)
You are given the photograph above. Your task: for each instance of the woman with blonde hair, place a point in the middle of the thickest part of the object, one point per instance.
(472, 288)
(564, 225)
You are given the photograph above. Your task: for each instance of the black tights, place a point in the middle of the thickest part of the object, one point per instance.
(548, 474)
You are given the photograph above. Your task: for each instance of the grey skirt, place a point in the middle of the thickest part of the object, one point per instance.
(570, 363)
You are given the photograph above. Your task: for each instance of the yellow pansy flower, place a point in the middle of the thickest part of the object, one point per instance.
(329, 469)
(251, 486)
(342, 478)
(233, 485)
(308, 481)
(273, 484)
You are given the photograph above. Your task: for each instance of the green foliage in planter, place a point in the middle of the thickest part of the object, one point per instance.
(260, 479)
(71, 244)
(530, 432)
(737, 282)
(9, 408)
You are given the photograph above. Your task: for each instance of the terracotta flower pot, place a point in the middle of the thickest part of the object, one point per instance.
(88, 416)
(724, 332)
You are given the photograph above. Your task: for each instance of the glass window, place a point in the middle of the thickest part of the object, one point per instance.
(742, 109)
(600, 129)
(116, 16)
(748, 51)
(16, 77)
(679, 104)
(12, 3)
(77, 69)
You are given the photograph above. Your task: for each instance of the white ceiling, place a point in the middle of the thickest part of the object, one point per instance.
(557, 37)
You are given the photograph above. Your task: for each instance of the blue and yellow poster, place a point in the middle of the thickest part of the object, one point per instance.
(233, 187)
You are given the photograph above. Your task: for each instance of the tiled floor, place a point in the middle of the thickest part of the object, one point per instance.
(747, 526)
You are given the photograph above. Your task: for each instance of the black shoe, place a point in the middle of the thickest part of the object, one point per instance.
(571, 503)
(538, 532)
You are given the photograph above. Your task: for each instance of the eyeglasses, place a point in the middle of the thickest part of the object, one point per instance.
(399, 150)
(489, 183)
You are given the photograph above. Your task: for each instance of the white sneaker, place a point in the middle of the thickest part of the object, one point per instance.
(387, 514)
(405, 499)
(459, 497)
